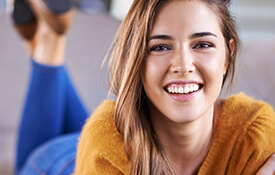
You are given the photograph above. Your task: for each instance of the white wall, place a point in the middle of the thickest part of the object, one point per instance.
(119, 8)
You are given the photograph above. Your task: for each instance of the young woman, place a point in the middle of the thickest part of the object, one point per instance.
(168, 65)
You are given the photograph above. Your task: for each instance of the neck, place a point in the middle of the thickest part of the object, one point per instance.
(186, 144)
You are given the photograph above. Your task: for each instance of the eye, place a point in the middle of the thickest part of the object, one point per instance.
(160, 48)
(203, 46)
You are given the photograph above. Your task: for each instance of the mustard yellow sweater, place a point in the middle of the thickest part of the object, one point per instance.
(244, 138)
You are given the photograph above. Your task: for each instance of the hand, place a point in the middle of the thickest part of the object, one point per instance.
(269, 167)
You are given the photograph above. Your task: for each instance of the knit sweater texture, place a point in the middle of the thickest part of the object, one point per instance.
(242, 141)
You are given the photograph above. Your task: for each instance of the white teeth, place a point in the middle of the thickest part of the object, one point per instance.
(191, 88)
(176, 90)
(169, 89)
(196, 87)
(183, 90)
(186, 89)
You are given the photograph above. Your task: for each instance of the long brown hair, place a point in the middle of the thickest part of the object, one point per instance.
(128, 51)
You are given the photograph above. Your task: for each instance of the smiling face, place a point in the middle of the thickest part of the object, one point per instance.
(183, 72)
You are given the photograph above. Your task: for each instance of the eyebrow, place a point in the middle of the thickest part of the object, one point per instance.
(202, 34)
(166, 37)
(195, 35)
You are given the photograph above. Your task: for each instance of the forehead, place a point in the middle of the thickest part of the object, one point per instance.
(186, 16)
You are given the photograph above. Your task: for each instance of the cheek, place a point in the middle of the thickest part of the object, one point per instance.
(153, 71)
(213, 68)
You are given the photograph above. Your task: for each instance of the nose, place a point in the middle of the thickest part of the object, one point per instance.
(182, 62)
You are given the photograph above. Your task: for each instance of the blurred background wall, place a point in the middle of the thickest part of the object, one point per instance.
(88, 42)
(255, 73)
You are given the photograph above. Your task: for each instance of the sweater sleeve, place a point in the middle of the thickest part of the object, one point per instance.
(101, 149)
(256, 145)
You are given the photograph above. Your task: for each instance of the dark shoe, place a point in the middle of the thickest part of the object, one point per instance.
(58, 6)
(24, 19)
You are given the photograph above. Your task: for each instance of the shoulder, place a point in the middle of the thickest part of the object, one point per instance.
(249, 119)
(244, 110)
(101, 147)
(245, 133)
(100, 126)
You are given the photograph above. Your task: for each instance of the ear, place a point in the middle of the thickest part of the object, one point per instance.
(231, 45)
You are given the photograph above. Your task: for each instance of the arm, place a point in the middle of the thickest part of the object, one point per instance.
(93, 154)
(101, 148)
(269, 167)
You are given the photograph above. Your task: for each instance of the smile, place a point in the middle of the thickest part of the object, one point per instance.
(183, 89)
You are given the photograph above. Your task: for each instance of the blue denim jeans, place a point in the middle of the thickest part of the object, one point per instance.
(52, 112)
(55, 157)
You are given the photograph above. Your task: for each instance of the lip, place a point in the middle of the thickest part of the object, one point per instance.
(187, 97)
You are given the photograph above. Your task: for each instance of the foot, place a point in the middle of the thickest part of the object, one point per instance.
(57, 17)
(47, 43)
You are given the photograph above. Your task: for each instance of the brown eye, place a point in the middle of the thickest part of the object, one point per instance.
(203, 46)
(160, 48)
